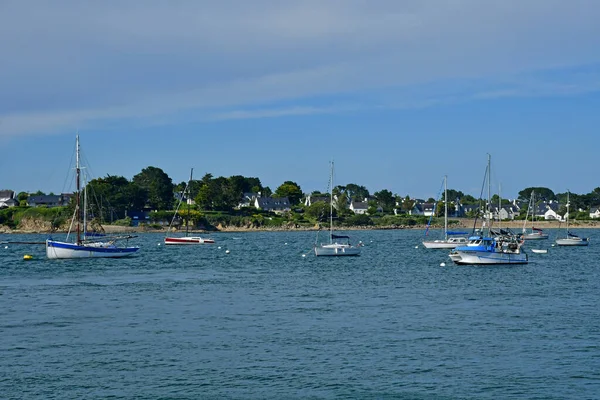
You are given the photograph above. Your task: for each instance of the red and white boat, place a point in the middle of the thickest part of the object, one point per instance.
(188, 240)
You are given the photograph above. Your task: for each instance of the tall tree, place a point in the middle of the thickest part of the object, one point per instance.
(407, 204)
(592, 199)
(468, 199)
(386, 199)
(266, 192)
(291, 190)
(22, 196)
(439, 208)
(318, 211)
(158, 186)
(494, 201)
(205, 195)
(356, 192)
(455, 194)
(216, 194)
(238, 185)
(541, 193)
(340, 202)
(224, 200)
(111, 196)
(576, 201)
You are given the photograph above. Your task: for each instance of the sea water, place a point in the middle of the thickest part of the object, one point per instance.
(264, 321)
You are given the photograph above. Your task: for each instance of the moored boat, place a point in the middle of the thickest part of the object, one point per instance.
(483, 250)
(56, 249)
(339, 245)
(494, 248)
(336, 248)
(535, 233)
(86, 245)
(186, 240)
(539, 251)
(449, 243)
(571, 239)
(451, 239)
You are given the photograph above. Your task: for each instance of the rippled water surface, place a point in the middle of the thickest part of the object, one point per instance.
(265, 322)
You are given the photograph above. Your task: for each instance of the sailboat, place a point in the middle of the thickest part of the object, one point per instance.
(535, 233)
(339, 245)
(571, 239)
(449, 241)
(85, 244)
(490, 248)
(186, 240)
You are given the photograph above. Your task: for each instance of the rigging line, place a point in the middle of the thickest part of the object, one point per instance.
(480, 198)
(434, 208)
(178, 206)
(69, 176)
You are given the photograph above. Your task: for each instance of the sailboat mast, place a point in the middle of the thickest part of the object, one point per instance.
(568, 196)
(499, 204)
(187, 220)
(78, 188)
(489, 186)
(532, 209)
(446, 207)
(331, 205)
(85, 207)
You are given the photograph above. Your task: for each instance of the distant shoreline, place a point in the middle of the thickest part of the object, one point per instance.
(463, 223)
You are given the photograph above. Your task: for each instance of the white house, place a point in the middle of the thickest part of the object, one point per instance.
(7, 199)
(311, 199)
(359, 207)
(275, 204)
(248, 199)
(425, 209)
(505, 213)
(466, 209)
(50, 200)
(552, 212)
(595, 212)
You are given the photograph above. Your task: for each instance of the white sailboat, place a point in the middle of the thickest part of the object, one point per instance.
(482, 249)
(450, 239)
(535, 233)
(571, 239)
(85, 246)
(339, 245)
(186, 240)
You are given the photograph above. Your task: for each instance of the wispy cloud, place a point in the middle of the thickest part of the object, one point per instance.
(69, 64)
(279, 112)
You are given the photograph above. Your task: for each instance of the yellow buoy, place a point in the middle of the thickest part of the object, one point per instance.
(27, 257)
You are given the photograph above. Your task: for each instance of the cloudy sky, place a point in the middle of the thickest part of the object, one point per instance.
(397, 92)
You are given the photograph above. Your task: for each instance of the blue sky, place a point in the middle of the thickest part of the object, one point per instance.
(398, 93)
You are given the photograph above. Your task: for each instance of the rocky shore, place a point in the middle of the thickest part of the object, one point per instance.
(460, 223)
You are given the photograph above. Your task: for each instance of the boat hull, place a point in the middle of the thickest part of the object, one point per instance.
(188, 240)
(56, 249)
(443, 244)
(334, 250)
(572, 242)
(535, 236)
(487, 258)
(539, 251)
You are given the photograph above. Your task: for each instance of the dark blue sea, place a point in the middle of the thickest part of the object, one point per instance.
(263, 322)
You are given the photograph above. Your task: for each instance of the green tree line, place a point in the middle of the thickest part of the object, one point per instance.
(152, 189)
